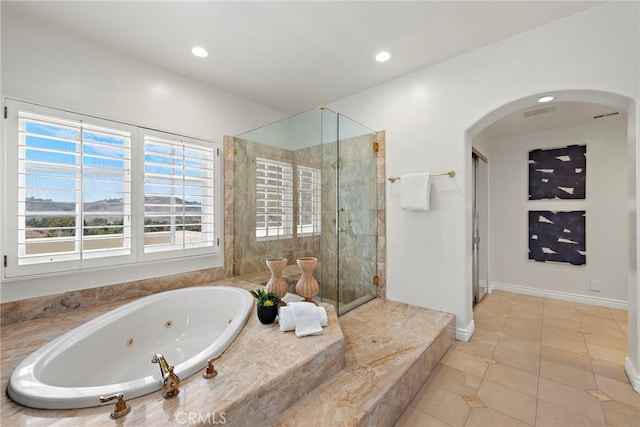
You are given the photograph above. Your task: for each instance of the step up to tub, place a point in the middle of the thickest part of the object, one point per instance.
(391, 348)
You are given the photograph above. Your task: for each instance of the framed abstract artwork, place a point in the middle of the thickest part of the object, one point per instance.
(557, 236)
(558, 173)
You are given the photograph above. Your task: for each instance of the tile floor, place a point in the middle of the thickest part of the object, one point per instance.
(532, 362)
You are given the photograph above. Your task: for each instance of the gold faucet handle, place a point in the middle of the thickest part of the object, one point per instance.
(121, 408)
(210, 371)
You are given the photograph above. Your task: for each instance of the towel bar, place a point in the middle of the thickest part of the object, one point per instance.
(451, 174)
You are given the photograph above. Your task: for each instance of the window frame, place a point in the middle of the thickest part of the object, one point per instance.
(316, 201)
(287, 214)
(191, 258)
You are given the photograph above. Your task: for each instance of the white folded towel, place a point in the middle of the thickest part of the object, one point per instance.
(287, 321)
(307, 319)
(415, 191)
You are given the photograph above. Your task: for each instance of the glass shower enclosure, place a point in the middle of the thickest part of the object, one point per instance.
(307, 186)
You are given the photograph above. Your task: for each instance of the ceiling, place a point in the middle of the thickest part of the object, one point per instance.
(552, 116)
(293, 56)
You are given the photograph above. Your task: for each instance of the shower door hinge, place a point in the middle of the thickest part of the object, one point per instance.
(218, 242)
(6, 111)
(375, 147)
(376, 280)
(218, 151)
(5, 260)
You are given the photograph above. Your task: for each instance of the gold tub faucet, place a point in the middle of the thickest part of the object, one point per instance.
(171, 380)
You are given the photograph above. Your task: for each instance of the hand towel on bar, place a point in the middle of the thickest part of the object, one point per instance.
(414, 191)
(288, 323)
(307, 319)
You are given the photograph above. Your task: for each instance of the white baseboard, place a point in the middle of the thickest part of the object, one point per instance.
(564, 296)
(465, 334)
(634, 376)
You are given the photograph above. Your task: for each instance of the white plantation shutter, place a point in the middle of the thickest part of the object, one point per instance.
(178, 195)
(86, 193)
(274, 199)
(309, 197)
(74, 190)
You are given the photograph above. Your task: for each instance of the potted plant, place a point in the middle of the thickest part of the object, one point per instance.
(267, 305)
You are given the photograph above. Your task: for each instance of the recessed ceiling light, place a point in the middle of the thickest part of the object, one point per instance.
(383, 56)
(546, 98)
(200, 52)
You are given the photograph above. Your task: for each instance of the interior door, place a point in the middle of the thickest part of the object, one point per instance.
(480, 246)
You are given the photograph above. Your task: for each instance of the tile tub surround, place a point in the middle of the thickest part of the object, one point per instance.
(263, 372)
(35, 308)
(390, 349)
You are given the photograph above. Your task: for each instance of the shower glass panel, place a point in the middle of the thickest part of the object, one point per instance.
(306, 186)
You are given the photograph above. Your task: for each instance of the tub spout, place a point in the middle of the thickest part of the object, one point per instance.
(171, 382)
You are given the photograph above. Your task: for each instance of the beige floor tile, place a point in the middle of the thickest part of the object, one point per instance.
(568, 333)
(618, 390)
(571, 398)
(550, 415)
(621, 316)
(442, 404)
(564, 374)
(494, 308)
(454, 380)
(610, 355)
(575, 346)
(465, 362)
(558, 303)
(531, 315)
(475, 347)
(605, 327)
(620, 414)
(568, 358)
(508, 401)
(593, 310)
(520, 345)
(485, 417)
(523, 329)
(512, 378)
(525, 362)
(613, 343)
(489, 322)
(413, 417)
(615, 371)
(556, 320)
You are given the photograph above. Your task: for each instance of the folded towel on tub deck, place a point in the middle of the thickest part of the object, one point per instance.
(415, 191)
(307, 319)
(287, 321)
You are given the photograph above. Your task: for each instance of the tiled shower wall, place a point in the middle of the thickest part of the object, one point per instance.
(249, 253)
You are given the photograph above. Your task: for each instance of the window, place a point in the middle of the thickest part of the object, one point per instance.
(274, 199)
(178, 195)
(92, 193)
(308, 201)
(74, 190)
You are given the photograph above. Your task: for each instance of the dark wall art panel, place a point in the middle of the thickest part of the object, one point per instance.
(557, 236)
(558, 173)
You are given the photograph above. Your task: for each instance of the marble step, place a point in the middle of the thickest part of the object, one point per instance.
(390, 350)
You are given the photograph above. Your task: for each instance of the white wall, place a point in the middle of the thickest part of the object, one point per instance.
(45, 65)
(606, 221)
(427, 116)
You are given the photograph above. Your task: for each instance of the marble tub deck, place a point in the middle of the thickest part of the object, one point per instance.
(375, 359)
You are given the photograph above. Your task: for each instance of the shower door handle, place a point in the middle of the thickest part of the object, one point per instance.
(346, 220)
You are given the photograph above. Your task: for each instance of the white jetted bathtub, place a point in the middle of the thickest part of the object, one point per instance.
(112, 353)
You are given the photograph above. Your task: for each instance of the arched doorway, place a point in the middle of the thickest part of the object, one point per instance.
(627, 208)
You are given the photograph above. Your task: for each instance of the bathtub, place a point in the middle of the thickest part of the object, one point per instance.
(112, 353)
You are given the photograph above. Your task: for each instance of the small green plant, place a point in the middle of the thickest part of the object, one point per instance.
(264, 298)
